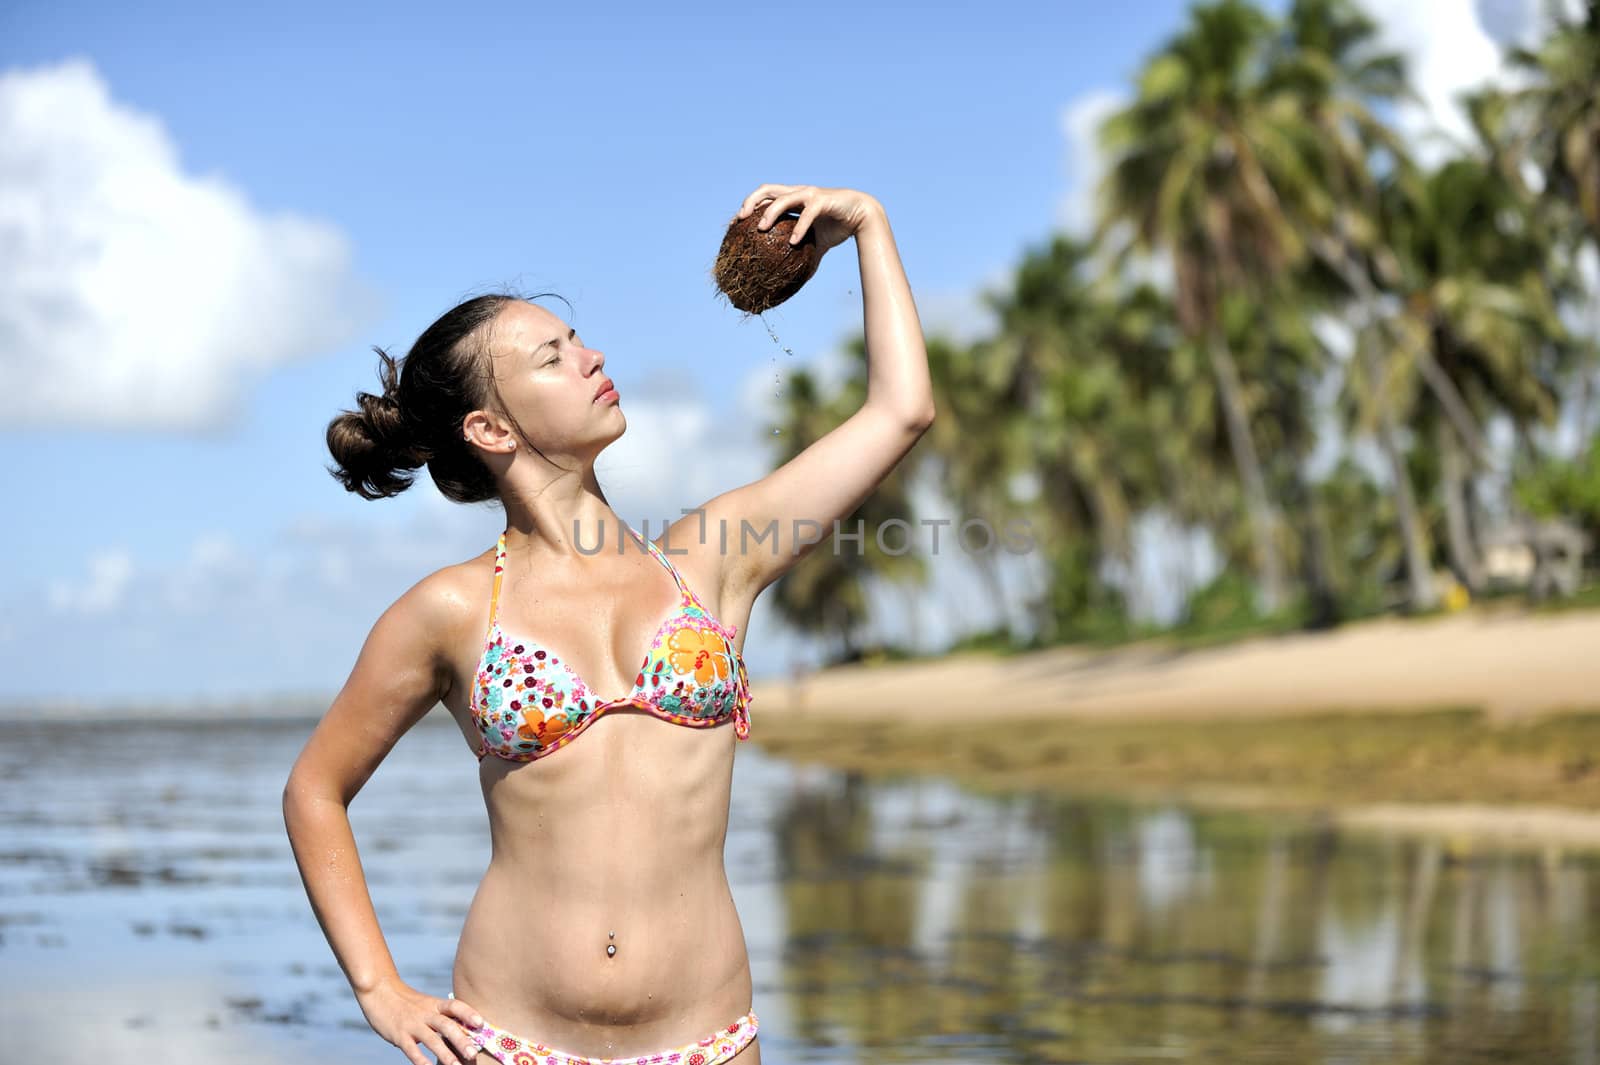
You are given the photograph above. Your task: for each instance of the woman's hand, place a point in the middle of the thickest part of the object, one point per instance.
(406, 1017)
(835, 214)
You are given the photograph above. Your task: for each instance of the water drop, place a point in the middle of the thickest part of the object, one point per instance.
(774, 337)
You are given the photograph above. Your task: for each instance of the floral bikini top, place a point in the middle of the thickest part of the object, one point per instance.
(527, 703)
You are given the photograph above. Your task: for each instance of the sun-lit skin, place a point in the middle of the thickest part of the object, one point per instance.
(597, 611)
(549, 382)
(547, 378)
(617, 839)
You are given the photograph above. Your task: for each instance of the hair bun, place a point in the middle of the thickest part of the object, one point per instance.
(415, 419)
(373, 445)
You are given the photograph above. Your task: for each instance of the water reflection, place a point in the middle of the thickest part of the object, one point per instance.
(926, 925)
(154, 906)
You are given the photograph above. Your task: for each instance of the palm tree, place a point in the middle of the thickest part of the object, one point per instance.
(1474, 318)
(1559, 119)
(979, 444)
(1328, 62)
(1278, 337)
(1210, 168)
(1028, 402)
(1561, 112)
(885, 563)
(1364, 545)
(827, 592)
(1087, 363)
(1052, 320)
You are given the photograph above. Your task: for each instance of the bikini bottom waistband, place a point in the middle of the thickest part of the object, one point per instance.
(509, 1048)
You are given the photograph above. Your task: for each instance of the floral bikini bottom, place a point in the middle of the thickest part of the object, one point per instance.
(718, 1047)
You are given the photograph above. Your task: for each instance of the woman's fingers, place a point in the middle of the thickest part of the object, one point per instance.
(454, 1007)
(436, 1043)
(807, 216)
(762, 192)
(452, 1011)
(460, 1039)
(775, 210)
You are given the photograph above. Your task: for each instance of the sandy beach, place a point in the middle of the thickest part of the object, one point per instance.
(1509, 662)
(1482, 726)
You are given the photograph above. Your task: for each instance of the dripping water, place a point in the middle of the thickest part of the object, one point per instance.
(777, 378)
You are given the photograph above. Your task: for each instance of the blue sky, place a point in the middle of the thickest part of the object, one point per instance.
(221, 207)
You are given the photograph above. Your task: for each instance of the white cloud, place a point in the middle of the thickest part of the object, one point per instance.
(214, 568)
(289, 612)
(136, 295)
(1449, 49)
(286, 613)
(100, 588)
(1085, 167)
(1085, 163)
(677, 453)
(1521, 22)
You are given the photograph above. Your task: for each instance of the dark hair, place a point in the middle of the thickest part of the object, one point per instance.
(417, 420)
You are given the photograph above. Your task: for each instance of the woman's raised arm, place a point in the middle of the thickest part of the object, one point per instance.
(829, 479)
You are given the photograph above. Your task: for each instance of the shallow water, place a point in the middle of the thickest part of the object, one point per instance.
(150, 910)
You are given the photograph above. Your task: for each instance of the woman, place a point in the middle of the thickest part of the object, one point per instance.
(604, 928)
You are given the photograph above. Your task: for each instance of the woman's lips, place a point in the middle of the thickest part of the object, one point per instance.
(610, 395)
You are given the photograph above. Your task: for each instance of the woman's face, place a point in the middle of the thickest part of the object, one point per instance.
(552, 383)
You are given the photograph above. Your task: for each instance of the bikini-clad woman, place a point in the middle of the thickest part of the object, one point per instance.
(604, 927)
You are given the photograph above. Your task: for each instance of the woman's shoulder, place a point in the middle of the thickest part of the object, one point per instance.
(452, 595)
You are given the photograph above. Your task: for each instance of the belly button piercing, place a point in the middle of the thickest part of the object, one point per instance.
(611, 948)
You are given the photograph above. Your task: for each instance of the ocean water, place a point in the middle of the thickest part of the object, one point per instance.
(150, 910)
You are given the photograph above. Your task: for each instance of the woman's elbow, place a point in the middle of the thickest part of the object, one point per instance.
(903, 416)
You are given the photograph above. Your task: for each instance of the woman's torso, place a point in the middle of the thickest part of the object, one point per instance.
(616, 838)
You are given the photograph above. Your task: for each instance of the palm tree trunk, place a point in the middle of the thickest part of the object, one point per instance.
(1269, 564)
(1419, 574)
(1585, 407)
(1454, 404)
(1464, 557)
(1317, 554)
(1418, 570)
(1270, 912)
(1583, 411)
(1108, 515)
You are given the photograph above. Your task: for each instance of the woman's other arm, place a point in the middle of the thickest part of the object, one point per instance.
(400, 674)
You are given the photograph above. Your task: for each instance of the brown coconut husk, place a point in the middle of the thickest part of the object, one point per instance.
(758, 269)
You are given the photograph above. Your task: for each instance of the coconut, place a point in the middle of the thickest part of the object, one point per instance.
(758, 269)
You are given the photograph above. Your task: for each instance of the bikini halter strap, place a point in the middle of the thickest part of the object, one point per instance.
(650, 545)
(661, 556)
(499, 575)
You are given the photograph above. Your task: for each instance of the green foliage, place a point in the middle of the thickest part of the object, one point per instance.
(1082, 606)
(1365, 543)
(1563, 488)
(1227, 603)
(1305, 257)
(996, 641)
